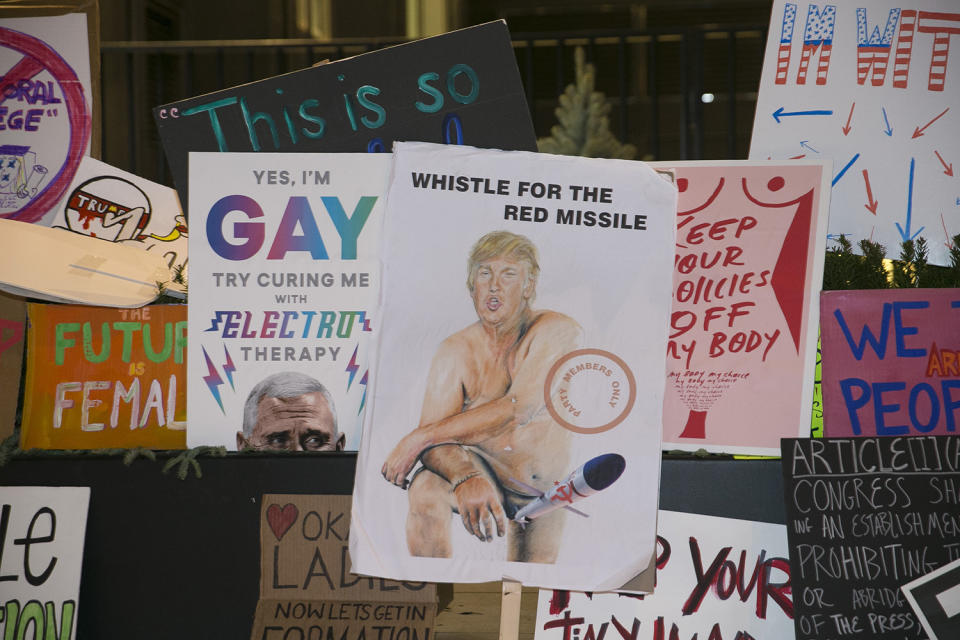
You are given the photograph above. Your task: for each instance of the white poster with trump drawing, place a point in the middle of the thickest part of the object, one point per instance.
(515, 424)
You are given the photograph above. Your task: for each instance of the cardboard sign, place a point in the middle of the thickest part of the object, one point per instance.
(868, 85)
(101, 378)
(114, 205)
(306, 586)
(283, 296)
(891, 362)
(54, 265)
(717, 578)
(462, 87)
(518, 337)
(45, 111)
(743, 333)
(935, 599)
(13, 323)
(41, 544)
(864, 517)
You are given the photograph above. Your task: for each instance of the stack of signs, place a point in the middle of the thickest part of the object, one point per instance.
(868, 85)
(284, 289)
(307, 589)
(102, 378)
(41, 543)
(866, 516)
(717, 579)
(44, 111)
(13, 321)
(462, 87)
(743, 339)
(891, 362)
(522, 360)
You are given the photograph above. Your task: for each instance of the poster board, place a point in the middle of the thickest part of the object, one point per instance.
(935, 599)
(749, 266)
(891, 364)
(716, 578)
(870, 86)
(100, 378)
(13, 324)
(54, 265)
(42, 546)
(462, 87)
(557, 386)
(47, 114)
(307, 588)
(117, 206)
(284, 291)
(864, 517)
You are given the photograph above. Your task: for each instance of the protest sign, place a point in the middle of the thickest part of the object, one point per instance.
(935, 599)
(536, 404)
(462, 87)
(100, 378)
(717, 578)
(284, 289)
(864, 517)
(13, 322)
(41, 544)
(114, 205)
(891, 362)
(45, 113)
(868, 85)
(748, 268)
(307, 589)
(51, 264)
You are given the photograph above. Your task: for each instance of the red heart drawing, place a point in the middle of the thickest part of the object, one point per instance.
(280, 520)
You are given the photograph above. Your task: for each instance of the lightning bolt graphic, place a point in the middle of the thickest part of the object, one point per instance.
(229, 368)
(364, 321)
(217, 319)
(363, 400)
(352, 367)
(213, 380)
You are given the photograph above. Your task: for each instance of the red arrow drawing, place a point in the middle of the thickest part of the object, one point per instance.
(846, 129)
(918, 131)
(948, 168)
(872, 204)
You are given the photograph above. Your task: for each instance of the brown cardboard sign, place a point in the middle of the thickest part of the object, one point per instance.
(307, 589)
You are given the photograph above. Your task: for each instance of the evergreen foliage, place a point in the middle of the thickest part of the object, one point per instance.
(584, 128)
(844, 269)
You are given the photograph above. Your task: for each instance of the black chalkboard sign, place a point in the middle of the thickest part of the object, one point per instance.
(864, 517)
(462, 87)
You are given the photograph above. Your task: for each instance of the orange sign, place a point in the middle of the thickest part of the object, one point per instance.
(100, 377)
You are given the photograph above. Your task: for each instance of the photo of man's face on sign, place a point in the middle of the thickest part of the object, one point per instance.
(290, 411)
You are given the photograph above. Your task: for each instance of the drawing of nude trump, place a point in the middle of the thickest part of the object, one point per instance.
(485, 438)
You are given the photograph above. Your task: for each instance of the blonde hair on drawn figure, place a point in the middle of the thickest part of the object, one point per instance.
(503, 244)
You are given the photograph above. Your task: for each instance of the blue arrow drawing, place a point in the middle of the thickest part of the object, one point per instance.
(803, 143)
(889, 129)
(844, 170)
(905, 235)
(780, 113)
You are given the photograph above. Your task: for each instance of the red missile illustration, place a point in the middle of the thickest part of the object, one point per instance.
(592, 476)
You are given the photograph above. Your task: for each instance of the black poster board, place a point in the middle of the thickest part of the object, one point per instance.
(864, 517)
(461, 87)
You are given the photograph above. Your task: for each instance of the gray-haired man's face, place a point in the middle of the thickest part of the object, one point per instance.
(300, 423)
